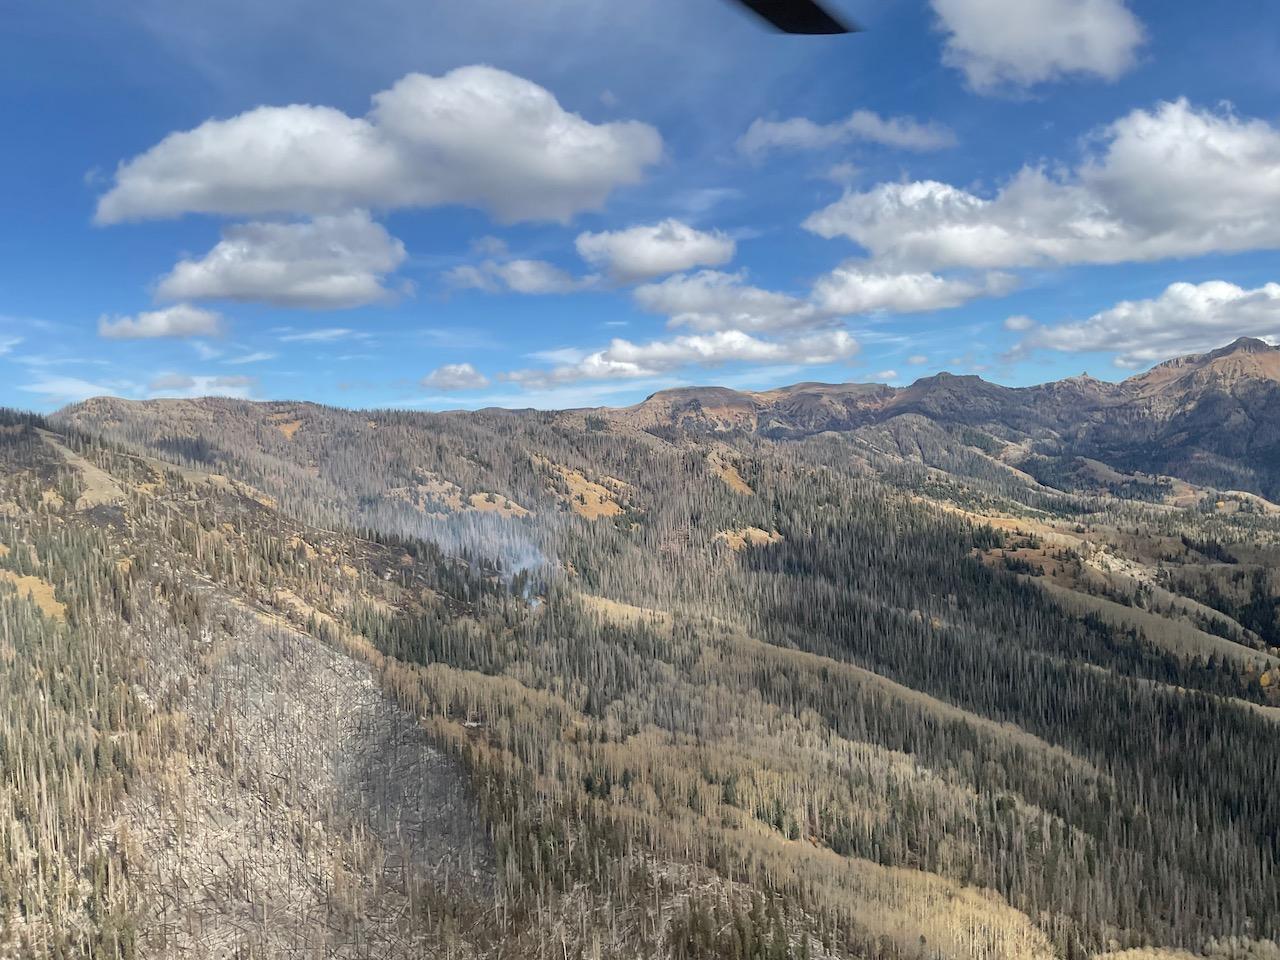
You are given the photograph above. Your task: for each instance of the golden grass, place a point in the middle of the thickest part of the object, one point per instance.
(818, 664)
(585, 497)
(100, 488)
(289, 428)
(297, 543)
(1266, 506)
(254, 494)
(301, 611)
(728, 473)
(748, 537)
(590, 500)
(437, 497)
(40, 592)
(1176, 636)
(625, 614)
(494, 503)
(909, 906)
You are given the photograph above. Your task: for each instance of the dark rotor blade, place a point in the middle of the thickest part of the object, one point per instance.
(797, 16)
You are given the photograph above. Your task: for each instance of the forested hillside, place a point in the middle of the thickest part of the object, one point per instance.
(830, 672)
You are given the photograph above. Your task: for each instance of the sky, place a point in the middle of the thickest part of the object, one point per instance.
(471, 203)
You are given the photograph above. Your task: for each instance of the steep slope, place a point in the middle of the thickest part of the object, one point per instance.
(192, 791)
(714, 678)
(1211, 419)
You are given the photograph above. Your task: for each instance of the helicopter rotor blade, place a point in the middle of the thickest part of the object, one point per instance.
(798, 16)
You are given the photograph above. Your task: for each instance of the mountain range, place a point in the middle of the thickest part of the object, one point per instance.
(1211, 418)
(830, 671)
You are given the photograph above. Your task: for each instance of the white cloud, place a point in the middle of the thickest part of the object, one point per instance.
(455, 376)
(623, 359)
(1169, 182)
(800, 133)
(559, 355)
(180, 320)
(638, 253)
(59, 390)
(1018, 43)
(853, 288)
(1019, 323)
(885, 376)
(477, 136)
(461, 338)
(490, 247)
(654, 250)
(712, 301)
(205, 351)
(8, 343)
(1186, 318)
(699, 201)
(844, 173)
(328, 262)
(322, 335)
(917, 360)
(518, 276)
(180, 385)
(470, 276)
(258, 357)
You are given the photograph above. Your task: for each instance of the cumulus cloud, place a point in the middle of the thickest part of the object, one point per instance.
(623, 359)
(713, 301)
(1186, 318)
(477, 136)
(182, 385)
(638, 253)
(180, 320)
(735, 321)
(326, 263)
(655, 250)
(800, 133)
(710, 300)
(1001, 44)
(519, 276)
(854, 288)
(455, 376)
(1168, 182)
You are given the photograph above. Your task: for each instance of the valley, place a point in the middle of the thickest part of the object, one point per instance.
(829, 671)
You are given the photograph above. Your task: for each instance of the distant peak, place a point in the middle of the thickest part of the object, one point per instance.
(945, 376)
(693, 393)
(1243, 345)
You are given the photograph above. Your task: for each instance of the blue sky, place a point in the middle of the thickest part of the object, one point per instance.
(579, 202)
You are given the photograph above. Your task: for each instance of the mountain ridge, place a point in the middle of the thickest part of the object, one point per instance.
(1241, 347)
(845, 670)
(1211, 419)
